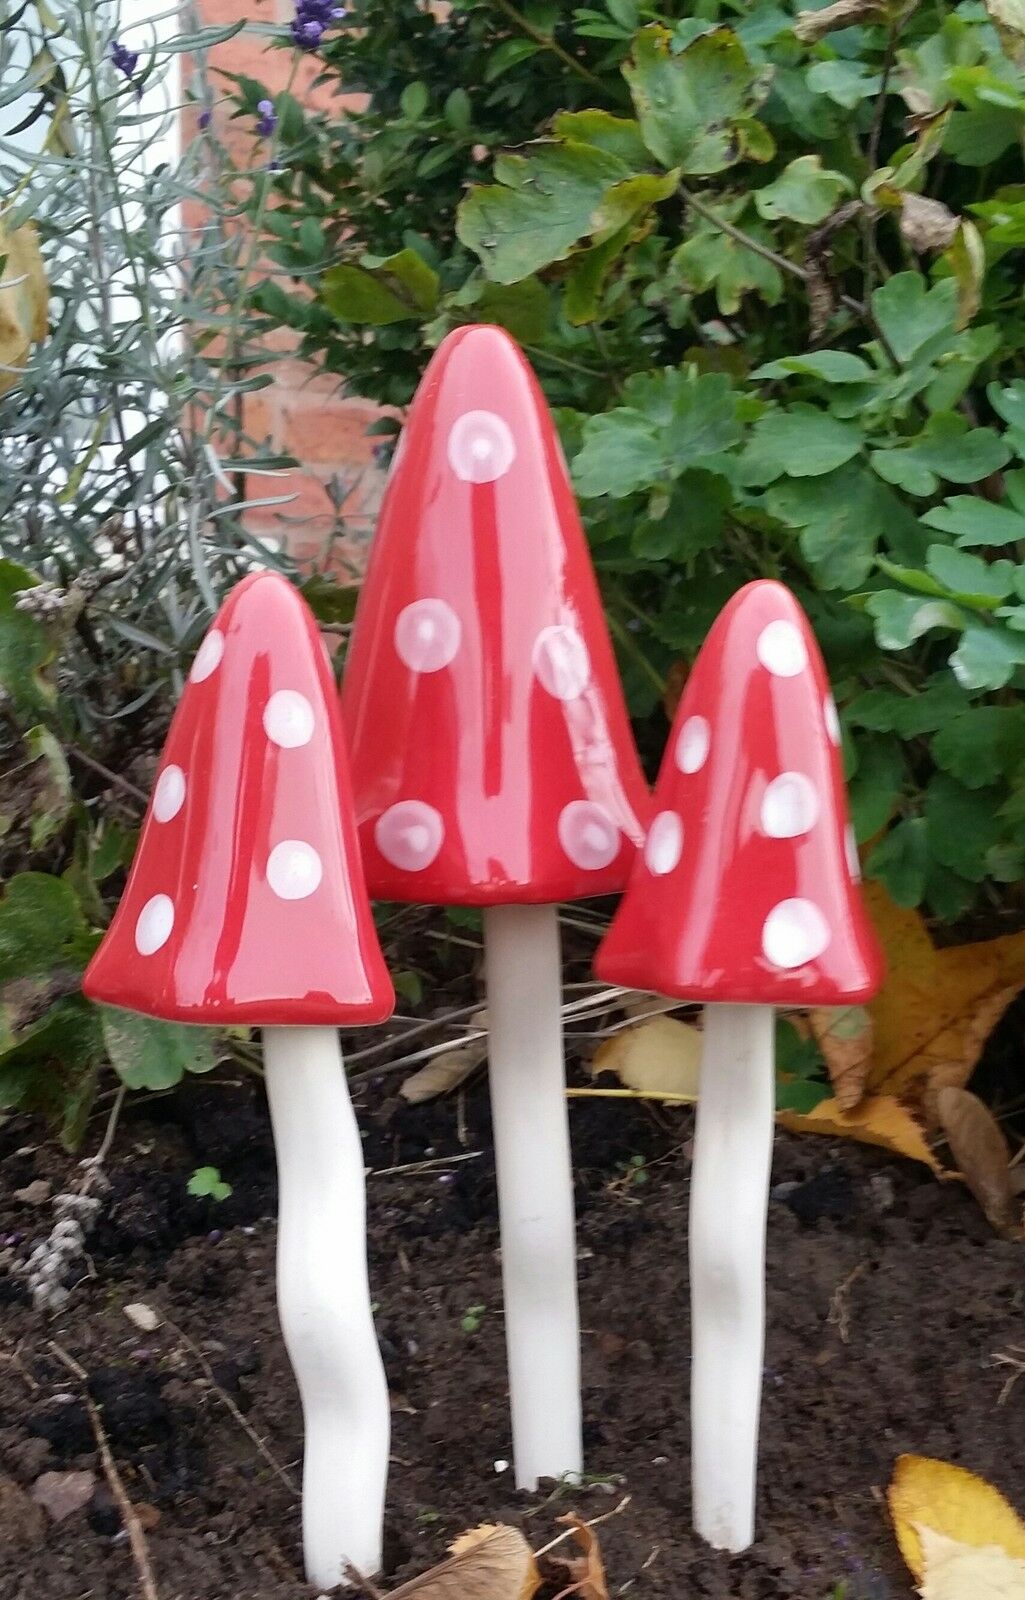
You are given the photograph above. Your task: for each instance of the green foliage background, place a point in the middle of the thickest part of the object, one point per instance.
(768, 264)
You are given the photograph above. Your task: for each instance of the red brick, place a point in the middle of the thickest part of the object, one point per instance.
(326, 431)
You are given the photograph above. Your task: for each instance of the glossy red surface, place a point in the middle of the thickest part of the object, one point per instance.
(246, 901)
(492, 757)
(746, 890)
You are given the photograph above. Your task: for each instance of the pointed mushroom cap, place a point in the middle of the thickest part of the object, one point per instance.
(246, 901)
(746, 890)
(492, 757)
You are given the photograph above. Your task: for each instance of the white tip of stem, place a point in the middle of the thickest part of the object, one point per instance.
(728, 1205)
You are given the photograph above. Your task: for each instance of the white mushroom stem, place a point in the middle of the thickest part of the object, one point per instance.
(324, 1302)
(729, 1200)
(535, 1190)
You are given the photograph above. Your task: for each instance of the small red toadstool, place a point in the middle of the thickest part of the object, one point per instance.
(745, 897)
(246, 904)
(493, 765)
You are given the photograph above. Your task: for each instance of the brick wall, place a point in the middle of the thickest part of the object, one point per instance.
(305, 413)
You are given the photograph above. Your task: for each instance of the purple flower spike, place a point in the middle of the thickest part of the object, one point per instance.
(125, 60)
(205, 119)
(312, 20)
(267, 120)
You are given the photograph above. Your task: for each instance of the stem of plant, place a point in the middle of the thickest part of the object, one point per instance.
(324, 1302)
(729, 1200)
(535, 1190)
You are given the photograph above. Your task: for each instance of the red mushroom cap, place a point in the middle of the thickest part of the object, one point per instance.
(492, 757)
(747, 887)
(246, 901)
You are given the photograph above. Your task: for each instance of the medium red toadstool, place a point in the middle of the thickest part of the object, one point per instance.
(745, 897)
(246, 904)
(493, 766)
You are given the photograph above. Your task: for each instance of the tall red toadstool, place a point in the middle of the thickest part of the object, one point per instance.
(246, 904)
(746, 898)
(493, 766)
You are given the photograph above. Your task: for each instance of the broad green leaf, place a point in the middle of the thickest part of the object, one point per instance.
(627, 202)
(147, 1053)
(617, 136)
(968, 578)
(910, 715)
(354, 295)
(876, 786)
(801, 442)
(842, 517)
(523, 308)
(676, 419)
(912, 316)
(946, 448)
(710, 259)
(587, 276)
(688, 104)
(41, 927)
(691, 522)
(845, 82)
(900, 619)
(805, 191)
(900, 861)
(26, 647)
(51, 1069)
(622, 452)
(407, 270)
(974, 521)
(978, 746)
(1009, 402)
(831, 366)
(987, 656)
(963, 825)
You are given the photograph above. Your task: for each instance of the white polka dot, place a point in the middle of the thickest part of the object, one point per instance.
(410, 834)
(294, 869)
(781, 650)
(561, 662)
(692, 745)
(208, 656)
(853, 859)
(169, 794)
(588, 835)
(794, 933)
(832, 717)
(427, 635)
(153, 929)
(790, 806)
(288, 719)
(480, 447)
(664, 844)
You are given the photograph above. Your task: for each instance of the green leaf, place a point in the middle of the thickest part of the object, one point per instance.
(147, 1053)
(968, 578)
(801, 442)
(354, 295)
(711, 259)
(688, 105)
(805, 191)
(626, 202)
(207, 1182)
(51, 798)
(909, 715)
(847, 83)
(842, 516)
(1009, 403)
(900, 619)
(26, 647)
(912, 316)
(978, 746)
(617, 136)
(523, 308)
(691, 522)
(51, 1068)
(946, 448)
(963, 824)
(414, 100)
(900, 861)
(876, 786)
(542, 206)
(329, 601)
(621, 453)
(831, 366)
(409, 274)
(974, 521)
(41, 927)
(675, 419)
(987, 656)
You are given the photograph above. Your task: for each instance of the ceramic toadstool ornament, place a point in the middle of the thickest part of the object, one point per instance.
(746, 897)
(493, 766)
(246, 904)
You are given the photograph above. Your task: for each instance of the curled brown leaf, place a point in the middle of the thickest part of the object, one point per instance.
(981, 1153)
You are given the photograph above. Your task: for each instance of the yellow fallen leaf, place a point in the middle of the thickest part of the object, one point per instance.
(492, 1562)
(659, 1057)
(23, 301)
(955, 1571)
(948, 1500)
(444, 1073)
(845, 1038)
(880, 1120)
(582, 1575)
(982, 1156)
(937, 1007)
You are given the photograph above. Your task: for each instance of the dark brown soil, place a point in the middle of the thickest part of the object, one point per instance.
(888, 1299)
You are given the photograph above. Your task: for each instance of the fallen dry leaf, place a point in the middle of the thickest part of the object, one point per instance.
(845, 1038)
(982, 1156)
(880, 1120)
(948, 1500)
(812, 25)
(445, 1073)
(659, 1058)
(926, 224)
(61, 1494)
(583, 1575)
(937, 1007)
(492, 1562)
(956, 1571)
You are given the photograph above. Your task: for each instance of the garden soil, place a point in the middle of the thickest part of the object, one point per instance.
(889, 1301)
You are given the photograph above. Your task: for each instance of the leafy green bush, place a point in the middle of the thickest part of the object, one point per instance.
(768, 266)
